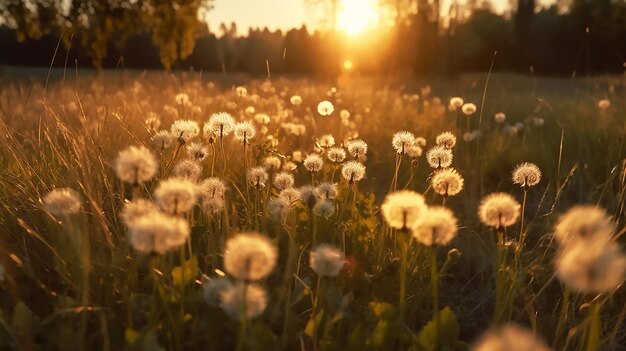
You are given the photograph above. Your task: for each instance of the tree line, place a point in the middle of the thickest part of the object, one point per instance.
(582, 37)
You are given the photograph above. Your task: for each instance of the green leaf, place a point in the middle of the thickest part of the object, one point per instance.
(382, 310)
(313, 325)
(448, 330)
(187, 273)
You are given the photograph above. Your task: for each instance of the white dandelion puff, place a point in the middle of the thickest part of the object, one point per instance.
(271, 163)
(244, 131)
(499, 117)
(326, 260)
(468, 109)
(291, 195)
(185, 130)
(526, 175)
(353, 171)
(402, 208)
(257, 177)
(327, 191)
(439, 157)
(188, 169)
(162, 139)
(499, 210)
(357, 148)
(446, 139)
(212, 187)
(136, 209)
(249, 256)
(402, 141)
(325, 108)
(176, 195)
(336, 154)
(510, 337)
(447, 182)
(237, 296)
(135, 165)
(324, 208)
(197, 151)
(62, 201)
(157, 232)
(220, 124)
(437, 226)
(584, 222)
(283, 180)
(313, 163)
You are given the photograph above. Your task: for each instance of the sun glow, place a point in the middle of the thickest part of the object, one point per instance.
(356, 15)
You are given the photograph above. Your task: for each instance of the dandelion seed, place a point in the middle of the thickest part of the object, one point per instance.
(353, 171)
(244, 131)
(584, 222)
(357, 148)
(327, 191)
(437, 226)
(589, 266)
(271, 163)
(283, 180)
(313, 163)
(336, 154)
(212, 290)
(232, 300)
(162, 140)
(257, 177)
(402, 208)
(324, 208)
(325, 108)
(136, 209)
(212, 188)
(499, 117)
(135, 165)
(176, 195)
(249, 256)
(447, 182)
(220, 124)
(510, 337)
(604, 104)
(499, 210)
(185, 130)
(197, 151)
(439, 157)
(326, 140)
(326, 260)
(446, 139)
(402, 141)
(157, 232)
(468, 109)
(62, 201)
(526, 174)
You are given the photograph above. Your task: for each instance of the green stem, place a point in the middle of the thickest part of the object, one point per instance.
(595, 326)
(403, 263)
(241, 339)
(434, 282)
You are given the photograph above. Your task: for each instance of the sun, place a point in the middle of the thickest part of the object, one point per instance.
(356, 15)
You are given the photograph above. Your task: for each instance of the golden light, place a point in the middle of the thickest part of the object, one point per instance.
(356, 15)
(347, 64)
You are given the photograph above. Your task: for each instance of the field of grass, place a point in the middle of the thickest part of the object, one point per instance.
(77, 272)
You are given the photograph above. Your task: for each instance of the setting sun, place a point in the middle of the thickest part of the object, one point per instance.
(356, 15)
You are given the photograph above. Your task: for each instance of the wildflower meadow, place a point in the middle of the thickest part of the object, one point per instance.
(184, 211)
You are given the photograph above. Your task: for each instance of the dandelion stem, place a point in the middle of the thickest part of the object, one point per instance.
(403, 263)
(243, 328)
(434, 282)
(595, 326)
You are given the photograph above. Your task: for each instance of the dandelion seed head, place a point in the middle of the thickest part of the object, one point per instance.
(446, 139)
(295, 100)
(325, 108)
(158, 232)
(241, 91)
(439, 157)
(324, 208)
(152, 122)
(604, 104)
(313, 163)
(344, 114)
(499, 210)
(327, 191)
(420, 141)
(257, 177)
(291, 195)
(402, 141)
(232, 300)
(584, 222)
(437, 226)
(455, 103)
(162, 139)
(353, 171)
(526, 174)
(249, 256)
(220, 124)
(212, 187)
(197, 151)
(271, 163)
(468, 109)
(308, 195)
(283, 180)
(244, 131)
(135, 165)
(402, 208)
(510, 337)
(262, 118)
(188, 169)
(136, 209)
(336, 154)
(185, 130)
(278, 208)
(326, 260)
(176, 195)
(414, 151)
(212, 290)
(499, 117)
(447, 182)
(326, 140)
(357, 148)
(212, 206)
(62, 201)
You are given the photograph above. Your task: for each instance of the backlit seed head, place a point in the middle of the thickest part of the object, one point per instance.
(437, 226)
(291, 195)
(456, 102)
(162, 139)
(249, 256)
(402, 208)
(313, 163)
(414, 151)
(326, 260)
(604, 104)
(272, 163)
(244, 131)
(184, 130)
(135, 165)
(327, 191)
(526, 174)
(439, 157)
(136, 209)
(499, 210)
(257, 177)
(283, 180)
(62, 201)
(325, 108)
(188, 169)
(584, 222)
(468, 109)
(152, 122)
(357, 148)
(324, 208)
(278, 208)
(212, 188)
(220, 124)
(402, 141)
(212, 206)
(156, 232)
(353, 171)
(326, 140)
(446, 139)
(499, 117)
(336, 154)
(197, 151)
(510, 337)
(447, 182)
(176, 195)
(295, 100)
